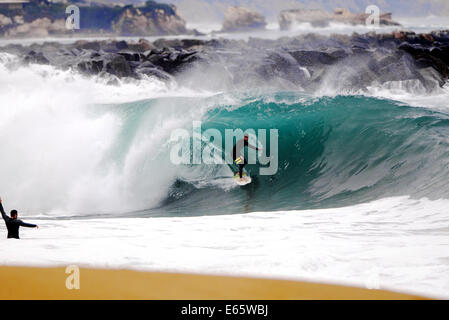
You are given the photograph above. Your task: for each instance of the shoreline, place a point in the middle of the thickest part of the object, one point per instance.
(33, 283)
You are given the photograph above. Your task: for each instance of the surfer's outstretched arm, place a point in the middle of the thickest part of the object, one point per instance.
(28, 225)
(4, 216)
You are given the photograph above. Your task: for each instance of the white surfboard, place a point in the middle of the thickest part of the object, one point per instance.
(242, 181)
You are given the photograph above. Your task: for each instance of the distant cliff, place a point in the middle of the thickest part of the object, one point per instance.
(318, 17)
(41, 18)
(213, 10)
(242, 19)
(149, 20)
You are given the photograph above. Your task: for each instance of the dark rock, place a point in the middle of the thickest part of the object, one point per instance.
(130, 55)
(403, 69)
(15, 49)
(413, 49)
(435, 57)
(75, 51)
(134, 64)
(35, 57)
(387, 60)
(336, 53)
(441, 53)
(117, 65)
(441, 36)
(91, 67)
(120, 45)
(157, 51)
(142, 46)
(189, 43)
(310, 58)
(148, 53)
(281, 65)
(171, 61)
(360, 42)
(109, 47)
(83, 44)
(145, 45)
(358, 50)
(168, 43)
(146, 64)
(173, 56)
(423, 63)
(94, 55)
(186, 56)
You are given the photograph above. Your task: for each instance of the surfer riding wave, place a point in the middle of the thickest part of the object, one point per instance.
(237, 155)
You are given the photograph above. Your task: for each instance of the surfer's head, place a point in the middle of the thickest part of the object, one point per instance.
(13, 214)
(246, 137)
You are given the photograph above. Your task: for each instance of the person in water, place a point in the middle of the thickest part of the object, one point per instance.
(13, 224)
(237, 153)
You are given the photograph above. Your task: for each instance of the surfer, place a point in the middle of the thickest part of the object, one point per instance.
(13, 224)
(236, 153)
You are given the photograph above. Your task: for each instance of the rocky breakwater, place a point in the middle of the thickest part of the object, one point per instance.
(112, 59)
(308, 62)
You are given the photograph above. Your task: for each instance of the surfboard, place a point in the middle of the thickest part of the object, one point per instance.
(244, 180)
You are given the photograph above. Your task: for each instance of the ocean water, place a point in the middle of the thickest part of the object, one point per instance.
(360, 195)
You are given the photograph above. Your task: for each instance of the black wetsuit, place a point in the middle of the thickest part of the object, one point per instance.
(236, 153)
(13, 225)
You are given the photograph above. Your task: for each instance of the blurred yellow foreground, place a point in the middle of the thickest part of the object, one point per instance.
(54, 283)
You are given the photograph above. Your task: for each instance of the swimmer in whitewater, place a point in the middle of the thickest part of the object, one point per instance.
(237, 155)
(13, 224)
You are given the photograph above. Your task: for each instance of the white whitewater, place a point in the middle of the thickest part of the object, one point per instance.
(54, 142)
(396, 243)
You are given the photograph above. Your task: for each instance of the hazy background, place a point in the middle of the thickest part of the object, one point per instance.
(212, 10)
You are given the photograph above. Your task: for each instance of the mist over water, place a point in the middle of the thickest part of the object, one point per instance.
(60, 136)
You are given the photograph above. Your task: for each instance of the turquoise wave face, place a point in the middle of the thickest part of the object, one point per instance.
(332, 152)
